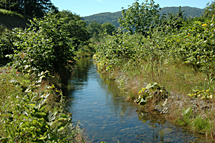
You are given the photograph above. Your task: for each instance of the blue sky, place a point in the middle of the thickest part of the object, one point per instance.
(89, 7)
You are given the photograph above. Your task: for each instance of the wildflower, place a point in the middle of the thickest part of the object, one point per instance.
(204, 24)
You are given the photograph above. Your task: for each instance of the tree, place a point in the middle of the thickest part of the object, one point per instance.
(108, 27)
(94, 29)
(210, 10)
(75, 26)
(45, 45)
(172, 21)
(29, 8)
(140, 18)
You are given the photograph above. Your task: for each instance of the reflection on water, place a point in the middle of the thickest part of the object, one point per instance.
(105, 116)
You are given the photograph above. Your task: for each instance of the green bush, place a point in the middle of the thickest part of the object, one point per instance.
(75, 27)
(43, 46)
(7, 46)
(140, 18)
(195, 46)
(192, 45)
(27, 115)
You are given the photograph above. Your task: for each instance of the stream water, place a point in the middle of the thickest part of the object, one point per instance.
(106, 116)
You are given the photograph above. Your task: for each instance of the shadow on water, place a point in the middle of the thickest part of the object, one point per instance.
(79, 76)
(106, 116)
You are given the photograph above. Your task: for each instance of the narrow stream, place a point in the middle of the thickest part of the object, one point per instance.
(106, 116)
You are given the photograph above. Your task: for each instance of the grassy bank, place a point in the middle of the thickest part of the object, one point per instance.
(177, 82)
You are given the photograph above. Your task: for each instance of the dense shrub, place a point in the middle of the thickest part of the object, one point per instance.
(28, 114)
(43, 46)
(193, 45)
(6, 46)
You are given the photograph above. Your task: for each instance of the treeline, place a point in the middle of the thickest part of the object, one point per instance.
(97, 30)
(28, 8)
(97, 23)
(104, 18)
(113, 17)
(188, 11)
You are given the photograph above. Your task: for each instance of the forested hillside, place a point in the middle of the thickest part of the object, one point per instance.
(113, 17)
(188, 11)
(104, 17)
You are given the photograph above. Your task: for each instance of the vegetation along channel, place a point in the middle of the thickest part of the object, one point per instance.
(145, 74)
(106, 116)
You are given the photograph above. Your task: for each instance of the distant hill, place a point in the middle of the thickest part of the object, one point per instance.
(104, 17)
(113, 17)
(188, 11)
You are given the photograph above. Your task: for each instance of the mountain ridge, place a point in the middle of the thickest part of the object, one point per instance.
(112, 17)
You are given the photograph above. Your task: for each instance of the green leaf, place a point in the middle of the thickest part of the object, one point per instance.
(61, 129)
(43, 138)
(31, 105)
(40, 114)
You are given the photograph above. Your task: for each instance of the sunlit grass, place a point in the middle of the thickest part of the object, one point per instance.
(178, 78)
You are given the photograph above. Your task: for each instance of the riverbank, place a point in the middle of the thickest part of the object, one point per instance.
(105, 116)
(194, 112)
(169, 70)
